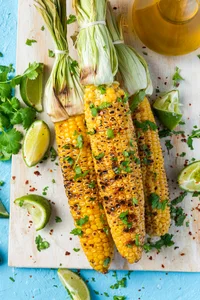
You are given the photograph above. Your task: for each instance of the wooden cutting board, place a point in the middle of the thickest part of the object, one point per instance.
(22, 248)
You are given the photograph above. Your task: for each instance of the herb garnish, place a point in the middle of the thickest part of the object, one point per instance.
(100, 156)
(79, 141)
(41, 244)
(79, 173)
(124, 218)
(165, 241)
(119, 284)
(146, 125)
(154, 200)
(177, 78)
(71, 19)
(77, 231)
(106, 262)
(69, 160)
(51, 53)
(110, 133)
(82, 221)
(53, 154)
(168, 145)
(30, 42)
(195, 134)
(177, 212)
(58, 219)
(96, 109)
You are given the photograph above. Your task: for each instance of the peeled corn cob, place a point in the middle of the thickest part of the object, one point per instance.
(117, 166)
(81, 188)
(157, 211)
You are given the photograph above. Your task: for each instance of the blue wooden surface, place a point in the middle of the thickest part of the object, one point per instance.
(44, 284)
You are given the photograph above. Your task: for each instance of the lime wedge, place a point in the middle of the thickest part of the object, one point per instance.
(189, 178)
(74, 285)
(167, 109)
(31, 90)
(36, 143)
(3, 211)
(38, 207)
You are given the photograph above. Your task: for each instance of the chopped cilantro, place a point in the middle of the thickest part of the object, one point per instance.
(168, 145)
(137, 99)
(53, 154)
(97, 109)
(165, 241)
(30, 42)
(92, 185)
(106, 294)
(119, 284)
(51, 53)
(110, 133)
(79, 141)
(69, 160)
(183, 154)
(106, 230)
(76, 249)
(58, 219)
(137, 240)
(106, 262)
(119, 298)
(179, 199)
(53, 181)
(187, 224)
(42, 28)
(178, 215)
(73, 67)
(44, 193)
(198, 55)
(12, 279)
(155, 202)
(41, 245)
(100, 156)
(1, 54)
(146, 125)
(177, 78)
(79, 173)
(102, 89)
(82, 221)
(96, 292)
(135, 201)
(124, 218)
(77, 231)
(71, 19)
(195, 134)
(1, 183)
(181, 123)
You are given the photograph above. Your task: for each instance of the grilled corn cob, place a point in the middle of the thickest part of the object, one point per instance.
(117, 166)
(81, 188)
(157, 211)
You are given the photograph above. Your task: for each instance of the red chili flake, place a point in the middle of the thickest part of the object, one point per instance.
(150, 257)
(30, 221)
(163, 266)
(159, 78)
(194, 238)
(37, 173)
(51, 171)
(31, 256)
(67, 253)
(190, 233)
(190, 104)
(13, 177)
(115, 8)
(53, 203)
(144, 47)
(165, 83)
(26, 182)
(51, 232)
(32, 189)
(182, 254)
(30, 276)
(71, 238)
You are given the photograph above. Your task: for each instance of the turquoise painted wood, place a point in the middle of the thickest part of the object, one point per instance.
(43, 284)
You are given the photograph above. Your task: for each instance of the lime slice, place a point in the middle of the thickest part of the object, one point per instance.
(167, 109)
(74, 285)
(31, 90)
(38, 207)
(3, 211)
(36, 143)
(189, 178)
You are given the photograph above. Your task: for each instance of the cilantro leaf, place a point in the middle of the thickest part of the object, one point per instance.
(4, 122)
(10, 141)
(155, 202)
(41, 245)
(53, 154)
(24, 116)
(168, 145)
(30, 42)
(58, 219)
(179, 199)
(165, 241)
(177, 77)
(82, 221)
(195, 134)
(110, 133)
(137, 99)
(71, 19)
(77, 231)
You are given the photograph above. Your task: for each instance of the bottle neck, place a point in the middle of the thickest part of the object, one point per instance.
(178, 11)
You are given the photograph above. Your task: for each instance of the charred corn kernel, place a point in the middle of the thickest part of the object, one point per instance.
(116, 161)
(78, 173)
(153, 171)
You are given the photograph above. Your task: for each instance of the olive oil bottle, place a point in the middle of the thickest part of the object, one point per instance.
(170, 27)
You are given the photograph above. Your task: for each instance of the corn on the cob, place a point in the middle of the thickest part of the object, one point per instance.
(157, 212)
(80, 183)
(117, 166)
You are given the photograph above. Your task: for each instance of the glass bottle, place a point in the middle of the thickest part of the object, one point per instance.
(170, 27)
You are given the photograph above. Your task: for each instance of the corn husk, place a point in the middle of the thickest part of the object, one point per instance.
(98, 59)
(133, 72)
(63, 92)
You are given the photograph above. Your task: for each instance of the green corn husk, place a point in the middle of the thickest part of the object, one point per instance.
(133, 73)
(63, 92)
(98, 59)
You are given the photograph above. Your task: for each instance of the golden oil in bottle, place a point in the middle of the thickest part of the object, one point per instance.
(170, 27)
